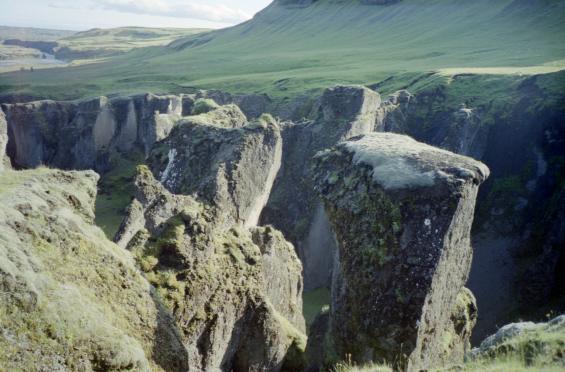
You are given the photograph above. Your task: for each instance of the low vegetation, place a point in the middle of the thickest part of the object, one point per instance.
(116, 191)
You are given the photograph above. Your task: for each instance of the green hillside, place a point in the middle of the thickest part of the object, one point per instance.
(104, 42)
(289, 49)
(32, 34)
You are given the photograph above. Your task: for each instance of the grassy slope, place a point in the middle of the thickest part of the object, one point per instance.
(124, 39)
(85, 47)
(283, 51)
(32, 34)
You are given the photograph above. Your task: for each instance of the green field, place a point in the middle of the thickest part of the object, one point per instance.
(283, 51)
(81, 48)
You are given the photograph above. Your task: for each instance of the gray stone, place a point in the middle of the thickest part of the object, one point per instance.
(293, 207)
(235, 293)
(234, 169)
(402, 212)
(84, 134)
(541, 343)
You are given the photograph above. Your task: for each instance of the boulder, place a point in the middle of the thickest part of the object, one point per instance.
(402, 213)
(236, 293)
(294, 208)
(69, 298)
(533, 345)
(232, 168)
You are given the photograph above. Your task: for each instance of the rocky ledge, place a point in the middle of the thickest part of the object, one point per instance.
(402, 214)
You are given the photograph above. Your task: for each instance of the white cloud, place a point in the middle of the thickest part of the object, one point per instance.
(176, 8)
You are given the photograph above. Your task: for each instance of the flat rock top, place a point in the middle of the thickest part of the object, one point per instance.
(400, 162)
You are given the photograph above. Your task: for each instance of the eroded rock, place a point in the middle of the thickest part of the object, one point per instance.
(3, 140)
(235, 293)
(402, 213)
(69, 298)
(232, 168)
(342, 112)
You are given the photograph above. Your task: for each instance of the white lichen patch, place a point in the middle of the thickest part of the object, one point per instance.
(400, 162)
(168, 170)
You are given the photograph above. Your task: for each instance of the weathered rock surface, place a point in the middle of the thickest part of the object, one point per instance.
(306, 3)
(69, 298)
(235, 293)
(232, 168)
(83, 134)
(293, 207)
(402, 212)
(3, 141)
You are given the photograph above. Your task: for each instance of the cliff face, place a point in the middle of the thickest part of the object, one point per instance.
(3, 141)
(402, 213)
(229, 167)
(235, 293)
(82, 135)
(218, 160)
(70, 299)
(519, 133)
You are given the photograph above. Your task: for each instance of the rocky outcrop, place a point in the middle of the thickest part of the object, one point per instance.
(234, 169)
(341, 113)
(460, 129)
(402, 213)
(236, 293)
(536, 345)
(83, 134)
(3, 141)
(69, 298)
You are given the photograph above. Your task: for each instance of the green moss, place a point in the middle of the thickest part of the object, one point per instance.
(148, 263)
(204, 105)
(267, 119)
(116, 191)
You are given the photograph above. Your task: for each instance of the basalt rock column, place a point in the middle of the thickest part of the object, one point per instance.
(3, 139)
(341, 113)
(402, 213)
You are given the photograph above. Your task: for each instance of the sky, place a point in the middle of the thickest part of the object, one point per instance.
(86, 14)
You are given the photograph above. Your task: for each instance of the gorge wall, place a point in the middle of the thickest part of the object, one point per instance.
(518, 232)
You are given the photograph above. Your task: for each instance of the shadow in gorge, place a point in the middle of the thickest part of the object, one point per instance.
(168, 348)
